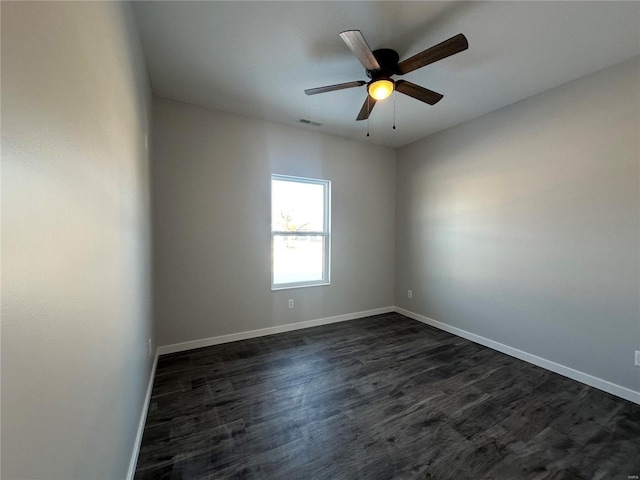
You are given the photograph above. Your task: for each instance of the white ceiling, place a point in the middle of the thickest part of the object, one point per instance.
(257, 58)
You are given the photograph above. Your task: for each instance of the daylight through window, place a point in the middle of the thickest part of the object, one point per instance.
(300, 225)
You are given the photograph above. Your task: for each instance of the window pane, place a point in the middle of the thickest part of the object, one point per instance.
(297, 206)
(297, 259)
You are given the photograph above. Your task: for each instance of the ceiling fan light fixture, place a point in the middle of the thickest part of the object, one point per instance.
(381, 89)
(381, 64)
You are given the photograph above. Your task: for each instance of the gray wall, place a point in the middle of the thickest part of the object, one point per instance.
(211, 197)
(75, 240)
(522, 226)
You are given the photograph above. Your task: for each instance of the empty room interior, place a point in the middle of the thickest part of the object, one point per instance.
(320, 240)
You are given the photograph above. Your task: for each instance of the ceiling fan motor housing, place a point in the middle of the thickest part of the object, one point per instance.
(388, 61)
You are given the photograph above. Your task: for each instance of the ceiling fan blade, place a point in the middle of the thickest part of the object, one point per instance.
(418, 92)
(358, 45)
(437, 52)
(331, 88)
(365, 111)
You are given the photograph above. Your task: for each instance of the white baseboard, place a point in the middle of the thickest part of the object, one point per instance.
(143, 418)
(206, 342)
(573, 374)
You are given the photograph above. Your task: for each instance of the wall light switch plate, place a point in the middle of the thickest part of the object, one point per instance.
(409, 293)
(637, 358)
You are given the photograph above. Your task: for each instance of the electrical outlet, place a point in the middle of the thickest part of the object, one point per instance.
(637, 358)
(409, 293)
(291, 303)
(149, 349)
(146, 141)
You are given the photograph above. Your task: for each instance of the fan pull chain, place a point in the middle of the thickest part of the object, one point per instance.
(368, 114)
(394, 109)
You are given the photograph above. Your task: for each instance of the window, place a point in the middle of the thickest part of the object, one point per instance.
(300, 226)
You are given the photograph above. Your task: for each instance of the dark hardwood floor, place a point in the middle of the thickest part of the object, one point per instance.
(378, 398)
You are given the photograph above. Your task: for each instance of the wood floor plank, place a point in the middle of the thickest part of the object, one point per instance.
(378, 398)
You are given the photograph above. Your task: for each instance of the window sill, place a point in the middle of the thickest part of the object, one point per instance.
(292, 286)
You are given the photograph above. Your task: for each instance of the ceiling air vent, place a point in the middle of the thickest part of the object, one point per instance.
(310, 122)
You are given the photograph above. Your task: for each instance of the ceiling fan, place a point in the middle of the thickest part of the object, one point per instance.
(382, 64)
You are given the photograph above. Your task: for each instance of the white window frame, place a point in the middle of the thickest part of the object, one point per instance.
(326, 233)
